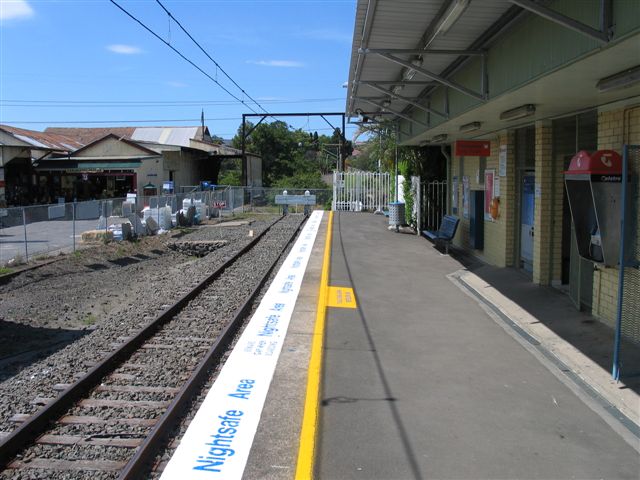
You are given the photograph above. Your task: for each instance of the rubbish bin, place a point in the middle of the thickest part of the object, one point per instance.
(396, 214)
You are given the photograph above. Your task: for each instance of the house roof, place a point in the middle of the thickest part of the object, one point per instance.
(44, 140)
(136, 145)
(88, 135)
(179, 136)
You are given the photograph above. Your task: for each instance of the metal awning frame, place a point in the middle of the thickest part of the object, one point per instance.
(391, 55)
(410, 101)
(404, 83)
(604, 34)
(389, 110)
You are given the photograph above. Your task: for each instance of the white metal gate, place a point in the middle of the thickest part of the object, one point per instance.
(433, 204)
(361, 191)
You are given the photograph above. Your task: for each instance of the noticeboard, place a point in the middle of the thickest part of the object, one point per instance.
(489, 176)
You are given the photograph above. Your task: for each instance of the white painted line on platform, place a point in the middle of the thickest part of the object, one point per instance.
(219, 438)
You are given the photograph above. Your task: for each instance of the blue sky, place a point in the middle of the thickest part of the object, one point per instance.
(65, 61)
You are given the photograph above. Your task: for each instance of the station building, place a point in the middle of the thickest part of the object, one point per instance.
(19, 149)
(90, 163)
(139, 160)
(535, 83)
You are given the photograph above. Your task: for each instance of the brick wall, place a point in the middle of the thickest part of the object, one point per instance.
(614, 130)
(498, 234)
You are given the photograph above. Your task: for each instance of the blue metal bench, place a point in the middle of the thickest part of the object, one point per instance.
(446, 232)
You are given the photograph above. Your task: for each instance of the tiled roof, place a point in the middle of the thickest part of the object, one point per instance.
(88, 135)
(179, 136)
(44, 140)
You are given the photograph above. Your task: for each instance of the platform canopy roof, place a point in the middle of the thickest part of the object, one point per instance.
(405, 53)
(415, 25)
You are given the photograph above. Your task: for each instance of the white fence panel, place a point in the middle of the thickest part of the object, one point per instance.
(361, 191)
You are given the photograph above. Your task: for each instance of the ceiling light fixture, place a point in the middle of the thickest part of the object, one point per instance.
(454, 11)
(386, 103)
(410, 72)
(451, 15)
(397, 89)
(518, 112)
(470, 127)
(626, 78)
(439, 138)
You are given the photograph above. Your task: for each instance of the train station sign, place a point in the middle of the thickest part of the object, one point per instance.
(472, 148)
(295, 199)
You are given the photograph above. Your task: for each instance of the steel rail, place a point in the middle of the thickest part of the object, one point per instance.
(144, 457)
(28, 432)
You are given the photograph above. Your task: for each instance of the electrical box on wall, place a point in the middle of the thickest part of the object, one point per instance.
(594, 190)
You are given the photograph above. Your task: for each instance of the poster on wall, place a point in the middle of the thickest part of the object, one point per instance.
(489, 176)
(454, 196)
(465, 196)
(502, 161)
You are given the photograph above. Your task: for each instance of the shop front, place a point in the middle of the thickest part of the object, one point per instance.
(75, 181)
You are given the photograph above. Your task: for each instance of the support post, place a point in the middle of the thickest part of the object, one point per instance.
(24, 224)
(73, 218)
(343, 135)
(484, 84)
(615, 372)
(243, 160)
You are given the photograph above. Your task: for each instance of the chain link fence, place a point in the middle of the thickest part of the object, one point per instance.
(34, 232)
(262, 200)
(630, 292)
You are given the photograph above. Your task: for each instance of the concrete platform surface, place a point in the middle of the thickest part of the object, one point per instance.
(420, 381)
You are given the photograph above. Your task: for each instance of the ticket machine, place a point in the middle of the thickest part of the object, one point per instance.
(594, 190)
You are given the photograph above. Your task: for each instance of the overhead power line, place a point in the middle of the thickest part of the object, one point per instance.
(208, 56)
(142, 103)
(139, 22)
(166, 121)
(58, 122)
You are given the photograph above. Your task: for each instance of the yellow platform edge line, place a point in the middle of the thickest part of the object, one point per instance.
(308, 432)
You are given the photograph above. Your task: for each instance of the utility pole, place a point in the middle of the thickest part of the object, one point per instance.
(243, 160)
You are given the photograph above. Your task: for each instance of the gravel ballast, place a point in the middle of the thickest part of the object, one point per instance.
(169, 356)
(63, 294)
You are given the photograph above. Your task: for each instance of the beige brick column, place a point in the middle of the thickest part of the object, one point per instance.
(509, 202)
(557, 219)
(544, 193)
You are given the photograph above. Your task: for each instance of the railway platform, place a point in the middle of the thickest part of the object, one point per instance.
(400, 362)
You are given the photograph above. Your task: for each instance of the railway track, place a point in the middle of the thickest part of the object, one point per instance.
(112, 421)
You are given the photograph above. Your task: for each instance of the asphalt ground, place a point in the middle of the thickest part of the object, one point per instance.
(419, 381)
(41, 238)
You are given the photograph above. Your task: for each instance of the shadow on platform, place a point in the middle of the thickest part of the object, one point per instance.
(556, 311)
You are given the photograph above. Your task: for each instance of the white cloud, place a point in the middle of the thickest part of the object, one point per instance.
(326, 35)
(277, 63)
(124, 49)
(10, 9)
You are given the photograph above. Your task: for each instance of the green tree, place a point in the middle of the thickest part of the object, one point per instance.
(308, 180)
(286, 153)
